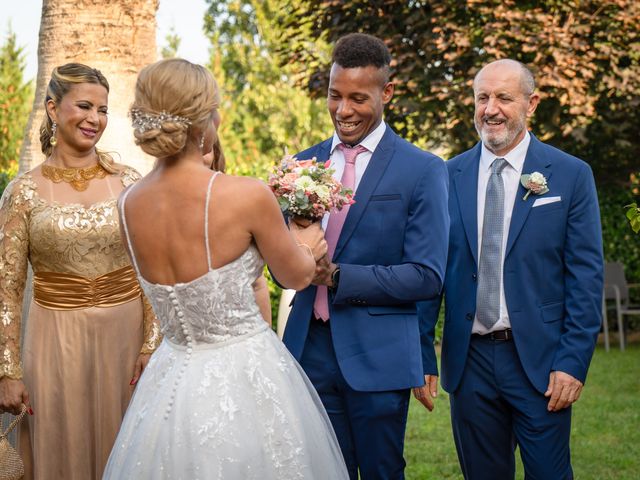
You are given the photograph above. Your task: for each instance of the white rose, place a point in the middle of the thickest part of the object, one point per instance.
(322, 191)
(537, 179)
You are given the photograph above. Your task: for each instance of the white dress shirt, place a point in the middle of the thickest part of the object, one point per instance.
(511, 178)
(336, 156)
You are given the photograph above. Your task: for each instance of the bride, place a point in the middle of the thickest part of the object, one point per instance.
(221, 397)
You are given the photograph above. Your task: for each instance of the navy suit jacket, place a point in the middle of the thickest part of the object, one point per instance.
(392, 253)
(553, 268)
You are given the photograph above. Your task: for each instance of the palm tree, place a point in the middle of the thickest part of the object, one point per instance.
(117, 37)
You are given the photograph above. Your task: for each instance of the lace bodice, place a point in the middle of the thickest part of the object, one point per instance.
(212, 308)
(63, 237)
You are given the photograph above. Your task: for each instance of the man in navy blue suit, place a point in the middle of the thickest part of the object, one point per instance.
(355, 332)
(523, 287)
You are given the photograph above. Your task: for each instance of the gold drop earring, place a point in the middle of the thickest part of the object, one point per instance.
(53, 140)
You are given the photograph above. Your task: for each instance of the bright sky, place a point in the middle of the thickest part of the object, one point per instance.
(185, 16)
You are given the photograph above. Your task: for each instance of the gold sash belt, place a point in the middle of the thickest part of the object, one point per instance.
(66, 291)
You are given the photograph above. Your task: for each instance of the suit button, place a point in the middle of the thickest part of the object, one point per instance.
(468, 316)
(474, 277)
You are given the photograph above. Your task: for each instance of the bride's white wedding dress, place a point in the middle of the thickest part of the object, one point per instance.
(221, 398)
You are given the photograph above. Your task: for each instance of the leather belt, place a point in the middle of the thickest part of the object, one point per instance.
(497, 336)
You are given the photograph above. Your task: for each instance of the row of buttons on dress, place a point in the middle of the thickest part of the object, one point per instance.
(180, 314)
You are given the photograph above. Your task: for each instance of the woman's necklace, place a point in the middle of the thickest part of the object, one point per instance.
(78, 178)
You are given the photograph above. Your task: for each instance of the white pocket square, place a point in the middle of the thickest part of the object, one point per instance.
(544, 201)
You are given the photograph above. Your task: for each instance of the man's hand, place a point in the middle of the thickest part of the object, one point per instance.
(427, 392)
(324, 270)
(563, 390)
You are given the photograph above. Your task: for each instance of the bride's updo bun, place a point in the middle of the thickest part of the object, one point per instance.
(167, 140)
(174, 102)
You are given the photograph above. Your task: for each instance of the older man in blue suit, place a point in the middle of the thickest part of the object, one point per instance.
(355, 332)
(523, 287)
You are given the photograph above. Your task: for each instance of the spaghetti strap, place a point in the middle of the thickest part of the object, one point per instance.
(126, 229)
(206, 218)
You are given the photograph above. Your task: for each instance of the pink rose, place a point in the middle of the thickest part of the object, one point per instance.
(289, 178)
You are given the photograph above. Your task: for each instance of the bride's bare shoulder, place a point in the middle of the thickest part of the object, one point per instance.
(246, 186)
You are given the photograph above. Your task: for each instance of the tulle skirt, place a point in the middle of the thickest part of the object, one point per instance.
(242, 409)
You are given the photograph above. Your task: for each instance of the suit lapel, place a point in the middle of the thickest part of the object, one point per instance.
(533, 162)
(372, 175)
(324, 151)
(466, 184)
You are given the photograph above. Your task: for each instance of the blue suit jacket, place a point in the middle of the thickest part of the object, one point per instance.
(553, 268)
(392, 252)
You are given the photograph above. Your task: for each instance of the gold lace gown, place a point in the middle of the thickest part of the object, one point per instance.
(86, 325)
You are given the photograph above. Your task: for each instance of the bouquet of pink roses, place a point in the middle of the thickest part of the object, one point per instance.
(305, 188)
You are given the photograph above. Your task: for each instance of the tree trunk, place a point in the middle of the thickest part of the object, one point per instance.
(118, 37)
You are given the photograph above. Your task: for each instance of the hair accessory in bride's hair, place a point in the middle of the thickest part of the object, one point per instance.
(144, 121)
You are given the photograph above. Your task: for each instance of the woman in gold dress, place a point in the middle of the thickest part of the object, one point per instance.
(89, 331)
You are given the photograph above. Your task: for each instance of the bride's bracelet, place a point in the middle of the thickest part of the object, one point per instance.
(307, 247)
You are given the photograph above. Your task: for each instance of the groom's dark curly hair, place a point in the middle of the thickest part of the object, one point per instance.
(362, 50)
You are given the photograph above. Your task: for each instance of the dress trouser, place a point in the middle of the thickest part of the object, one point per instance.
(495, 409)
(370, 426)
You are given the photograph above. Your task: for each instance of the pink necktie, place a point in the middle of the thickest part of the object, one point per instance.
(334, 226)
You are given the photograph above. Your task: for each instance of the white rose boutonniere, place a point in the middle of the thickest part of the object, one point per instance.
(534, 183)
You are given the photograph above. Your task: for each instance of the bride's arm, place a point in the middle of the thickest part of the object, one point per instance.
(261, 292)
(289, 254)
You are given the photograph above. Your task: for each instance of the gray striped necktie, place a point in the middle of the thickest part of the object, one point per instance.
(488, 295)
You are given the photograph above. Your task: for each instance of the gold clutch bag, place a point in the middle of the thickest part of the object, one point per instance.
(11, 466)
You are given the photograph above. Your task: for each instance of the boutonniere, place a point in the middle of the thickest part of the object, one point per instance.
(534, 183)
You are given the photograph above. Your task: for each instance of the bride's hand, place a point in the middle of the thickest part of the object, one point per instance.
(312, 236)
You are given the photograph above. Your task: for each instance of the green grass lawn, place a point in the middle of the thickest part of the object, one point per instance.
(605, 441)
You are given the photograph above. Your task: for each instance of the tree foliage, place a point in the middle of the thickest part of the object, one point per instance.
(172, 44)
(633, 214)
(619, 240)
(264, 113)
(585, 54)
(633, 209)
(15, 100)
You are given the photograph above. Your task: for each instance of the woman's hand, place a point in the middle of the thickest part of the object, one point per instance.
(13, 393)
(141, 364)
(311, 236)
